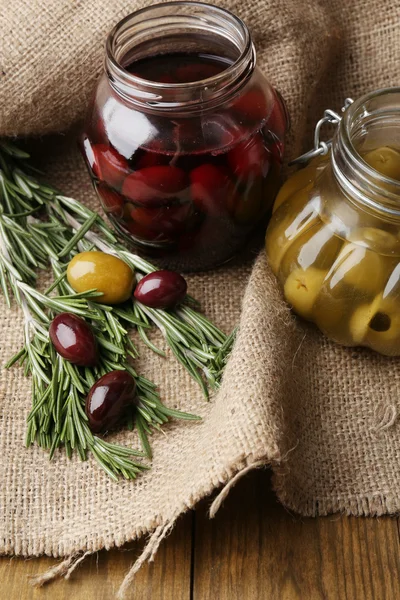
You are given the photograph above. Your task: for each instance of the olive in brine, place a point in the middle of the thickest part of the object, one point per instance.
(108, 400)
(74, 339)
(377, 325)
(161, 289)
(385, 160)
(301, 289)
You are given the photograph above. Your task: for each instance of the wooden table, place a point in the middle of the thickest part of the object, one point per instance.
(253, 550)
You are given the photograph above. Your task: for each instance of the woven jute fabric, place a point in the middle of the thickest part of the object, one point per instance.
(323, 416)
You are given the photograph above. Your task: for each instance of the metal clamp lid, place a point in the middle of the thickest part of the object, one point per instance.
(322, 148)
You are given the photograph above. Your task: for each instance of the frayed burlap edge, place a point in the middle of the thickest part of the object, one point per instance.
(371, 505)
(157, 533)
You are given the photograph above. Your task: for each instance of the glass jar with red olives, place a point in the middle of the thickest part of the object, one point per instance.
(184, 136)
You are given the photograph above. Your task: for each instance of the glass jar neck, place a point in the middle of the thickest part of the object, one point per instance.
(371, 122)
(173, 27)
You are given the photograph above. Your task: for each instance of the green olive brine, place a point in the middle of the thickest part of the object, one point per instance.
(338, 266)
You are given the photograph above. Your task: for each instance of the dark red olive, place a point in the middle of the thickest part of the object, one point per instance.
(138, 230)
(108, 165)
(111, 200)
(161, 289)
(152, 159)
(207, 236)
(164, 220)
(108, 400)
(210, 188)
(154, 185)
(252, 105)
(74, 339)
(249, 158)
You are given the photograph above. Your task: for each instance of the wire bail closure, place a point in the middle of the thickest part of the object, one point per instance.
(322, 148)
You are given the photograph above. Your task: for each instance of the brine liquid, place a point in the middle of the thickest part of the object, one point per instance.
(179, 67)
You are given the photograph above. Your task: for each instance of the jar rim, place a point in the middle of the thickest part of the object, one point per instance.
(348, 117)
(148, 87)
(363, 173)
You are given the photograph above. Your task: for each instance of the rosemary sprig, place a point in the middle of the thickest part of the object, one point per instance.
(38, 228)
(194, 340)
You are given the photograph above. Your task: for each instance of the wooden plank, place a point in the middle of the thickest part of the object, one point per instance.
(99, 576)
(255, 550)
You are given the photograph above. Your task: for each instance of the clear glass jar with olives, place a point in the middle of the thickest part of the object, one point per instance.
(184, 137)
(334, 237)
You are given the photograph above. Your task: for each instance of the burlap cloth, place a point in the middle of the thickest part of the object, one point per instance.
(323, 416)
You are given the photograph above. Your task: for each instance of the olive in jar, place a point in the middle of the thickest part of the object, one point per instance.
(183, 138)
(336, 256)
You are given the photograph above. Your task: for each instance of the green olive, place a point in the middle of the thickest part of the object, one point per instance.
(376, 239)
(383, 332)
(361, 269)
(385, 160)
(287, 224)
(377, 325)
(317, 247)
(302, 179)
(301, 289)
(331, 314)
(360, 320)
(104, 272)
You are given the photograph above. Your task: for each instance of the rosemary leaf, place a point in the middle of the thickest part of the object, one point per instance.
(28, 244)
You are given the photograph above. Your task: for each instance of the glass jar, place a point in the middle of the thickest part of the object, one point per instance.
(184, 136)
(334, 238)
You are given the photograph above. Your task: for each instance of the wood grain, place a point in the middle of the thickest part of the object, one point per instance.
(99, 576)
(255, 550)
